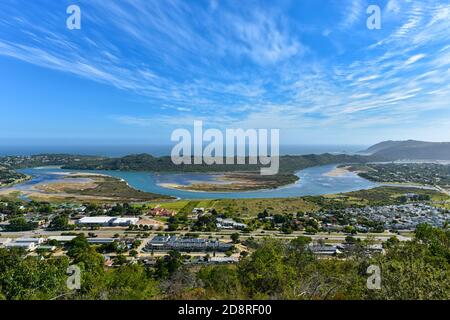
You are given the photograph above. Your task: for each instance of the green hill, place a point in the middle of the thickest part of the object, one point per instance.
(410, 149)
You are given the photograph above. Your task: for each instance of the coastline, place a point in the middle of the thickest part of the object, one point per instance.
(16, 182)
(256, 187)
(338, 172)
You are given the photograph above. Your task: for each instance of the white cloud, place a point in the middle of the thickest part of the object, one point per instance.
(415, 58)
(352, 13)
(182, 64)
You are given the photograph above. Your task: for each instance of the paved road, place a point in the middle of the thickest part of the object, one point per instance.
(225, 234)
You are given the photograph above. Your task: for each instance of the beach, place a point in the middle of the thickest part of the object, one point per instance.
(337, 172)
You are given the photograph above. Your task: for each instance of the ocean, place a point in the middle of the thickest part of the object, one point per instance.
(157, 150)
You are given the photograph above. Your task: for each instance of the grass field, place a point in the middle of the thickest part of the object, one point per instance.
(11, 196)
(249, 208)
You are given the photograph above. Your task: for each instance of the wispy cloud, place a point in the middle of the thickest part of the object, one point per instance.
(249, 66)
(353, 11)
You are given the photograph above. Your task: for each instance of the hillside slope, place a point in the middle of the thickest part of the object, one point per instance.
(410, 149)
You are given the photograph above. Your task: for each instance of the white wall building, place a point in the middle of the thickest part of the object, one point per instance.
(4, 241)
(103, 221)
(62, 239)
(29, 246)
(108, 221)
(36, 241)
(124, 221)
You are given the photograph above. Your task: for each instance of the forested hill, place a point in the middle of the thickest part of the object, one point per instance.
(9, 176)
(145, 162)
(410, 149)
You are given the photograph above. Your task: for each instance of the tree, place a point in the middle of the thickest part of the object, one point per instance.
(20, 224)
(391, 242)
(350, 230)
(120, 260)
(410, 270)
(168, 265)
(91, 265)
(133, 253)
(221, 282)
(26, 278)
(264, 273)
(173, 224)
(136, 244)
(130, 282)
(310, 230)
(45, 208)
(60, 222)
(205, 223)
(235, 237)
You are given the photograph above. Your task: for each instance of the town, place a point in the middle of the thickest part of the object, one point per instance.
(132, 232)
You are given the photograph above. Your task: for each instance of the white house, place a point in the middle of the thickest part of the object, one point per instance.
(103, 221)
(124, 221)
(100, 240)
(107, 221)
(36, 241)
(4, 241)
(62, 239)
(229, 224)
(29, 246)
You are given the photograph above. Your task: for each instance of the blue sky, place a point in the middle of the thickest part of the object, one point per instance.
(138, 69)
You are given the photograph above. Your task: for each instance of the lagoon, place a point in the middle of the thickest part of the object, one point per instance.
(313, 181)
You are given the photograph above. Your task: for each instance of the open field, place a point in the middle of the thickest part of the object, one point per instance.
(243, 208)
(249, 208)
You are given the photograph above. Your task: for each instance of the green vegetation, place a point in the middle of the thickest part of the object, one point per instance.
(415, 173)
(418, 269)
(245, 176)
(9, 177)
(391, 195)
(60, 222)
(20, 224)
(116, 189)
(146, 162)
(250, 208)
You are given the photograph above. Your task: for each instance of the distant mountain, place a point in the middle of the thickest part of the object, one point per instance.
(410, 149)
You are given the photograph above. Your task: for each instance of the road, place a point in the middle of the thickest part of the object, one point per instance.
(225, 234)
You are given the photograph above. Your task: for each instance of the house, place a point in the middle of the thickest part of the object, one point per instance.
(162, 212)
(186, 244)
(28, 246)
(99, 221)
(105, 221)
(100, 240)
(223, 260)
(48, 248)
(198, 210)
(229, 224)
(36, 241)
(377, 248)
(62, 239)
(324, 250)
(124, 221)
(108, 262)
(4, 241)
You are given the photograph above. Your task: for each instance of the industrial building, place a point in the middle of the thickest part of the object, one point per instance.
(107, 221)
(166, 243)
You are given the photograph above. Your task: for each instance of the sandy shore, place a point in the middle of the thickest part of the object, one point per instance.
(337, 172)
